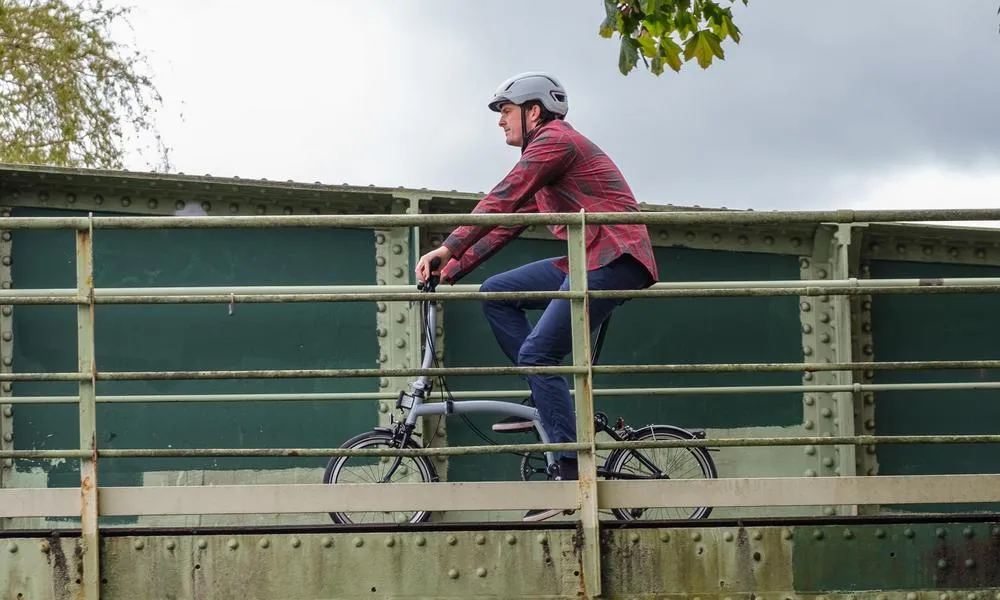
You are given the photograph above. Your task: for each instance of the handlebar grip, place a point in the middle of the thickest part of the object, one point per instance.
(435, 263)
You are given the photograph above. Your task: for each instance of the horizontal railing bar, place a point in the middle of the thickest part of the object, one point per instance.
(406, 220)
(447, 496)
(861, 440)
(193, 295)
(464, 288)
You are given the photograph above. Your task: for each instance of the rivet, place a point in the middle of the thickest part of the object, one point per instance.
(696, 536)
(874, 247)
(716, 238)
(6, 311)
(809, 400)
(202, 544)
(880, 533)
(295, 542)
(821, 273)
(942, 563)
(824, 318)
(233, 544)
(743, 240)
(70, 198)
(807, 351)
(768, 240)
(953, 252)
(287, 210)
(806, 328)
(980, 253)
(6, 261)
(126, 201)
(810, 473)
(830, 511)
(967, 532)
(689, 235)
(908, 533)
(383, 382)
(8, 437)
(848, 534)
(7, 336)
(634, 538)
(379, 238)
(827, 462)
(397, 249)
(807, 377)
(452, 540)
(138, 544)
(480, 539)
(969, 563)
(171, 544)
(664, 536)
(728, 536)
(480, 572)
(995, 530)
(6, 236)
(511, 539)
(358, 542)
(808, 424)
(234, 208)
(264, 543)
(869, 399)
(757, 535)
(326, 541)
(805, 307)
(901, 248)
(940, 532)
(825, 338)
(379, 261)
(401, 318)
(44, 547)
(380, 307)
(421, 540)
(453, 573)
(796, 242)
(152, 204)
(390, 542)
(400, 343)
(786, 534)
(664, 234)
(12, 548)
(382, 332)
(818, 534)
(944, 596)
(826, 412)
(382, 406)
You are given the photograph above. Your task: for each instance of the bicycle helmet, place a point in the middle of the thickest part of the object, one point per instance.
(532, 86)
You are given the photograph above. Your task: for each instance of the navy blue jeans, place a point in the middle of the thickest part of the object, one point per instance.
(550, 341)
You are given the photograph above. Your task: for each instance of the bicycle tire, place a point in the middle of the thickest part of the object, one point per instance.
(616, 462)
(335, 467)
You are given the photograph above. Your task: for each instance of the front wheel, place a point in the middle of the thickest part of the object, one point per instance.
(374, 469)
(661, 463)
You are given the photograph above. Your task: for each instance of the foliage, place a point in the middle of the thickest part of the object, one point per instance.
(669, 32)
(70, 93)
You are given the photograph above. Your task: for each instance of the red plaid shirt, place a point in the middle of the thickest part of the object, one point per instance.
(559, 171)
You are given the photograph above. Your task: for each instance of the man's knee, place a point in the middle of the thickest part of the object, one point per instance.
(533, 354)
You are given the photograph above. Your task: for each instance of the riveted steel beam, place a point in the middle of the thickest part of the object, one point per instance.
(932, 244)
(6, 355)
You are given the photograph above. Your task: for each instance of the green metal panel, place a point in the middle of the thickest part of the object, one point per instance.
(651, 331)
(897, 556)
(197, 337)
(936, 327)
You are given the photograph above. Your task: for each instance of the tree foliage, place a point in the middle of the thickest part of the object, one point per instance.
(71, 95)
(669, 32)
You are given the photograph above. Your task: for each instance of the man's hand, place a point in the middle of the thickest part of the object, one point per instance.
(423, 269)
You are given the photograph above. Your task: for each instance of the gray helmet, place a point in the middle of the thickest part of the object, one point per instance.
(532, 86)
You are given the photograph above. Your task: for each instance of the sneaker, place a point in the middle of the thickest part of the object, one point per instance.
(568, 470)
(515, 424)
(541, 515)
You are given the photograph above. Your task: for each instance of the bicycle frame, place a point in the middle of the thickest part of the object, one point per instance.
(415, 406)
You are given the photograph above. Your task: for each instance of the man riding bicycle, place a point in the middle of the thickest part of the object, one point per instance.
(560, 170)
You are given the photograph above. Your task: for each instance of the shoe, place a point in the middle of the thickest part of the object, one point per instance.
(541, 515)
(515, 424)
(568, 470)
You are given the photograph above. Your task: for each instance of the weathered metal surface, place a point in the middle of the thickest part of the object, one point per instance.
(905, 561)
(41, 568)
(944, 556)
(6, 356)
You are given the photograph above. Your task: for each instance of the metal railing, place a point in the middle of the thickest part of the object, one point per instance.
(585, 495)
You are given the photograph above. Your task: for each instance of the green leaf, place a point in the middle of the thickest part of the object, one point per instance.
(671, 52)
(628, 55)
(610, 20)
(647, 43)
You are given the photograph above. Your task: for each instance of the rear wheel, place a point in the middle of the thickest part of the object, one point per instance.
(661, 463)
(373, 469)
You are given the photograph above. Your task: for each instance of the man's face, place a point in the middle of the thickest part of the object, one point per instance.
(510, 122)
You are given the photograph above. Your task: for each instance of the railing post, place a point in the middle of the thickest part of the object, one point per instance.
(590, 557)
(89, 540)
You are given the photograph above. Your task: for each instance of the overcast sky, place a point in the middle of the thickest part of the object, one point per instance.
(846, 104)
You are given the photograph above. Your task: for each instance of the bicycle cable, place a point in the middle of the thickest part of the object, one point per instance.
(430, 336)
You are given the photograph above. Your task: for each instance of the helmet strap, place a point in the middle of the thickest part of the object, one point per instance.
(524, 130)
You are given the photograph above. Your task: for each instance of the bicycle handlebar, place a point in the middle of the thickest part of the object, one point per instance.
(433, 280)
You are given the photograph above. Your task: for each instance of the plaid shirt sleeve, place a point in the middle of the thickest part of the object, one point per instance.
(544, 161)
